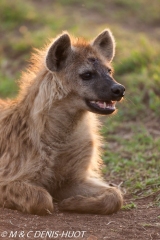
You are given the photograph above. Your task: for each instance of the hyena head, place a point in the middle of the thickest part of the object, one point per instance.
(85, 68)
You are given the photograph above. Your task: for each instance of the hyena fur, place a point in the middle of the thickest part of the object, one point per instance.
(49, 140)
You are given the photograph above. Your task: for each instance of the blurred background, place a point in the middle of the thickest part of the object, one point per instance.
(133, 135)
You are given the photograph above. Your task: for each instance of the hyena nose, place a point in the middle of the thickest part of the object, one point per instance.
(118, 91)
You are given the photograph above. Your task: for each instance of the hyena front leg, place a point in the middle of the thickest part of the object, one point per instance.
(91, 197)
(26, 197)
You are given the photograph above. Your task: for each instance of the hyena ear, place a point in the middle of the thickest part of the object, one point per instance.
(58, 53)
(105, 44)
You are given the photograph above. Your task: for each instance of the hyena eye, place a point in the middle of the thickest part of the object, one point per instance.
(86, 76)
(109, 70)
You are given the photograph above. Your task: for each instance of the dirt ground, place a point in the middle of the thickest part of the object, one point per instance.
(141, 223)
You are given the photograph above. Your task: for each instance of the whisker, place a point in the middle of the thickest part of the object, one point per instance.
(129, 100)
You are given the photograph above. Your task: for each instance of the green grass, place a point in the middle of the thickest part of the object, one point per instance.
(14, 12)
(129, 206)
(122, 9)
(132, 139)
(135, 160)
(8, 87)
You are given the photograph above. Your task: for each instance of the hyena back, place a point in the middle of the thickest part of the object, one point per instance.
(49, 141)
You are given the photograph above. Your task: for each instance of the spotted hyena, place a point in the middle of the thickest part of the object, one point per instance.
(49, 141)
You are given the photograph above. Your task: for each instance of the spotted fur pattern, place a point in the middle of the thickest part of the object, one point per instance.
(49, 141)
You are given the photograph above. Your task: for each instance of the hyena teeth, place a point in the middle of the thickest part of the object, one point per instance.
(104, 105)
(110, 106)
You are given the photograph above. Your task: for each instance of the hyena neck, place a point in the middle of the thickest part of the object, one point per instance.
(51, 104)
(64, 115)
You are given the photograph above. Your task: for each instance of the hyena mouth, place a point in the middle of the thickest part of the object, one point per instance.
(102, 107)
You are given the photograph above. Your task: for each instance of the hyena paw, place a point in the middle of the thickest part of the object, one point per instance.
(42, 205)
(71, 203)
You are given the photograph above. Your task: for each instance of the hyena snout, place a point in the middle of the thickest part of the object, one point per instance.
(117, 91)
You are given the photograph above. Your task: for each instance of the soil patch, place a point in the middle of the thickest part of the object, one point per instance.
(141, 223)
